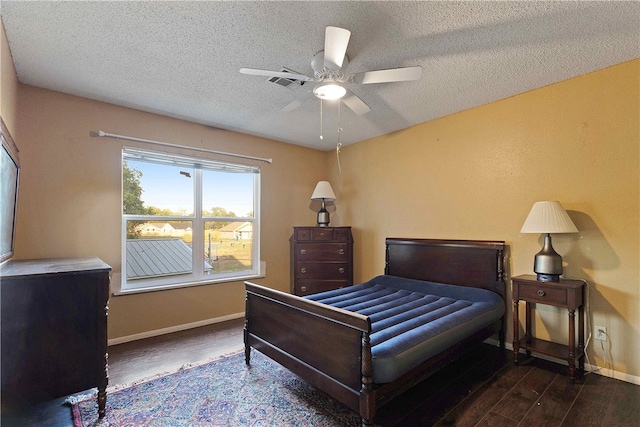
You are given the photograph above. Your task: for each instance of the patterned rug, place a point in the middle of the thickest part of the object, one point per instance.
(223, 392)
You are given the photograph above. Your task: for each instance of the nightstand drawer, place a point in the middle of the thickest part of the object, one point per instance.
(322, 270)
(326, 252)
(543, 294)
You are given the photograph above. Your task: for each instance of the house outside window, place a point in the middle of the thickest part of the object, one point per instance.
(187, 220)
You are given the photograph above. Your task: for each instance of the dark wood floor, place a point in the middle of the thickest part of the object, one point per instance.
(481, 389)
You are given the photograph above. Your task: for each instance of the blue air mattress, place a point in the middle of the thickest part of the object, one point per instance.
(414, 320)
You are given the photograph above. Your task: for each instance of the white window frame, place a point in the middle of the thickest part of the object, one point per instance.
(197, 276)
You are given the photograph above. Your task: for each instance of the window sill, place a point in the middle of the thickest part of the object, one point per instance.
(154, 288)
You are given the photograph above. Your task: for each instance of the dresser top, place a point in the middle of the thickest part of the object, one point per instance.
(315, 227)
(43, 267)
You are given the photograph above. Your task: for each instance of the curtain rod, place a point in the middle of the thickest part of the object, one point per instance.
(100, 133)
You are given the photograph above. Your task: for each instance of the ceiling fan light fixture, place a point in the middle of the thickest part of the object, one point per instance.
(329, 90)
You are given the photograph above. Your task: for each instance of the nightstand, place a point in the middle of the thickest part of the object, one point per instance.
(567, 293)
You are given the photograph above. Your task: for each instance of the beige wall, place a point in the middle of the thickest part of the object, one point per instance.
(70, 191)
(476, 174)
(8, 84)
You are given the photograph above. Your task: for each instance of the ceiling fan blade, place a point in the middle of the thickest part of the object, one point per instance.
(336, 41)
(356, 104)
(387, 76)
(281, 74)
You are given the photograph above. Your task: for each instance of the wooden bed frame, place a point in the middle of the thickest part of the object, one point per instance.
(329, 347)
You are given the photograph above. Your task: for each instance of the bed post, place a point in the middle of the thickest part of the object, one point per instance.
(501, 265)
(502, 281)
(367, 398)
(247, 347)
(386, 259)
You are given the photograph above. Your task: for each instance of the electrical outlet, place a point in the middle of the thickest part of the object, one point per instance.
(601, 333)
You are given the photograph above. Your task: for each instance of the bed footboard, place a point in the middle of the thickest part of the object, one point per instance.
(326, 346)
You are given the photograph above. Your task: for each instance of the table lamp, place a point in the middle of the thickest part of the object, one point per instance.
(323, 192)
(548, 217)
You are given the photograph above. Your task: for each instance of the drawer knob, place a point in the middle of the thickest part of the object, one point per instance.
(540, 293)
(303, 289)
(341, 270)
(303, 270)
(322, 234)
(341, 251)
(303, 251)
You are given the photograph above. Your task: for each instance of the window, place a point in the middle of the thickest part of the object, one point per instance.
(187, 220)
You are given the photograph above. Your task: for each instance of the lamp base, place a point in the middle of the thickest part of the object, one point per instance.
(547, 263)
(323, 218)
(548, 277)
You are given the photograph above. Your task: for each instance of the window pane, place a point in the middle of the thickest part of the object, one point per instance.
(158, 249)
(154, 189)
(228, 246)
(227, 194)
(166, 237)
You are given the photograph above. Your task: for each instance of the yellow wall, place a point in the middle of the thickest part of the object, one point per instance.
(69, 204)
(476, 174)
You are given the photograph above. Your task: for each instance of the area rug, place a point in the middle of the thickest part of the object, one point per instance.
(224, 392)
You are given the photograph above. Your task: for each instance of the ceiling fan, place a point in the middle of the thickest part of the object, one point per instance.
(329, 65)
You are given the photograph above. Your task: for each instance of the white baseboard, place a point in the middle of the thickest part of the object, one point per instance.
(589, 369)
(176, 328)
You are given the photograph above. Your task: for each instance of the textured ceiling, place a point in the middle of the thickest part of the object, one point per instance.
(182, 59)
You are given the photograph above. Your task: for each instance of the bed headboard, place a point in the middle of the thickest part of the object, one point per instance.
(476, 263)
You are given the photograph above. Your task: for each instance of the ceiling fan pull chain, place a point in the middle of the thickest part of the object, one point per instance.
(339, 145)
(321, 127)
(339, 122)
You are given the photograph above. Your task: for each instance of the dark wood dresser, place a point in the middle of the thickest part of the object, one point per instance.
(54, 329)
(321, 259)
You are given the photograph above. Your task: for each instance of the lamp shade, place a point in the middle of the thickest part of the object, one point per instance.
(548, 217)
(323, 191)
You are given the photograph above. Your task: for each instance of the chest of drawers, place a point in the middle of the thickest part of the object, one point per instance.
(54, 329)
(321, 259)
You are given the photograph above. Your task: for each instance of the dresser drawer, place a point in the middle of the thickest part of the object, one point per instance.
(543, 294)
(307, 287)
(322, 234)
(302, 234)
(315, 234)
(322, 270)
(324, 252)
(342, 234)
